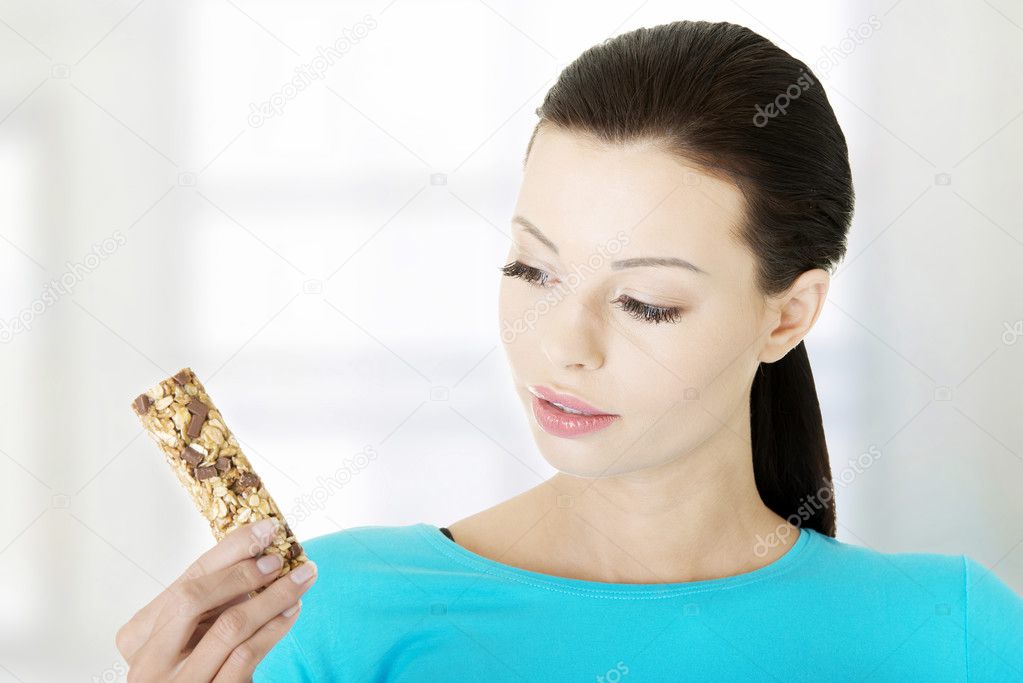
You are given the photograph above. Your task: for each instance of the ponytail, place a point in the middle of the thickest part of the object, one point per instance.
(790, 455)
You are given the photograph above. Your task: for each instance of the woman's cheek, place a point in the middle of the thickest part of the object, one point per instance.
(519, 318)
(722, 368)
(690, 358)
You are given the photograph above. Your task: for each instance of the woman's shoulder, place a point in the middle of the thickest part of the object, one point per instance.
(994, 623)
(982, 608)
(934, 570)
(369, 549)
(366, 590)
(371, 535)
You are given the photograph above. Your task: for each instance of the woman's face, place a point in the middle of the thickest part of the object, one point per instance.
(674, 384)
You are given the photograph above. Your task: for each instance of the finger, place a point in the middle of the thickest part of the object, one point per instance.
(207, 621)
(198, 598)
(239, 623)
(245, 541)
(243, 660)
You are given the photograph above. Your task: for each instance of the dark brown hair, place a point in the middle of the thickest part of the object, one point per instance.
(727, 99)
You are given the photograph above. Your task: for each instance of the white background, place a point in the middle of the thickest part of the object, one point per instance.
(333, 297)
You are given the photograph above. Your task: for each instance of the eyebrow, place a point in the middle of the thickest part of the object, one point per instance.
(531, 229)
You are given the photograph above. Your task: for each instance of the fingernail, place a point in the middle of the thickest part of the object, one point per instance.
(304, 572)
(261, 533)
(265, 526)
(269, 563)
(291, 610)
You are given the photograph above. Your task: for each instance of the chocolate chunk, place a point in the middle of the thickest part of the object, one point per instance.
(287, 531)
(182, 377)
(199, 411)
(191, 456)
(294, 551)
(142, 404)
(195, 426)
(205, 472)
(248, 479)
(197, 407)
(223, 463)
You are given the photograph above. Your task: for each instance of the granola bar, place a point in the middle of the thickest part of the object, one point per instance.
(179, 415)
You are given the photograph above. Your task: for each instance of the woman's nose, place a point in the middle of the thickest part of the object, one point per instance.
(573, 336)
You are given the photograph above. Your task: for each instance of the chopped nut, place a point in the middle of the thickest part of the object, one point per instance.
(167, 437)
(213, 434)
(180, 418)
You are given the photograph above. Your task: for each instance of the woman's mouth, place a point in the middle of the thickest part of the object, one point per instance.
(565, 401)
(567, 421)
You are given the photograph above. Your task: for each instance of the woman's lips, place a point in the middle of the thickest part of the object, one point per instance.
(567, 400)
(557, 422)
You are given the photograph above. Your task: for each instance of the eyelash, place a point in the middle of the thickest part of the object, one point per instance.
(637, 309)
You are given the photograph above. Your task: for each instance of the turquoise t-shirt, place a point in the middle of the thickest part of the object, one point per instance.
(405, 603)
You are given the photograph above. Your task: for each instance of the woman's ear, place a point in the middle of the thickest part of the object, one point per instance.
(794, 312)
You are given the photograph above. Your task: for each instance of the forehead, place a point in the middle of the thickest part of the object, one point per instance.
(581, 193)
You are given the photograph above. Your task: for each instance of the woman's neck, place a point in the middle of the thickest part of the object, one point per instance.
(648, 528)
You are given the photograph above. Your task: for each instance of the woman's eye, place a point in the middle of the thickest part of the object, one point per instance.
(646, 312)
(527, 273)
(637, 309)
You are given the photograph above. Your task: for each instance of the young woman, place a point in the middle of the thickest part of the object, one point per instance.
(686, 196)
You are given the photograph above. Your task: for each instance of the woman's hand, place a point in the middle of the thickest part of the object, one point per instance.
(204, 627)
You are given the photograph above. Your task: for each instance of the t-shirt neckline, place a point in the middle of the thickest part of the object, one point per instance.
(601, 588)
